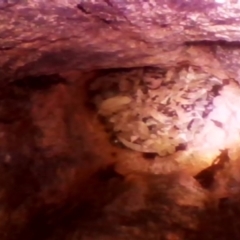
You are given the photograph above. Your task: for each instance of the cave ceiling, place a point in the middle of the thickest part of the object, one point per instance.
(45, 37)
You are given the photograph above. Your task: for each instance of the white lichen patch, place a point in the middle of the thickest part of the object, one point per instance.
(154, 110)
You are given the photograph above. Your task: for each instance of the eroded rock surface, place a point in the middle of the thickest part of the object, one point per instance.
(62, 179)
(56, 182)
(43, 148)
(44, 37)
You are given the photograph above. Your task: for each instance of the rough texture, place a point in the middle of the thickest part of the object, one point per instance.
(46, 147)
(55, 173)
(58, 180)
(39, 37)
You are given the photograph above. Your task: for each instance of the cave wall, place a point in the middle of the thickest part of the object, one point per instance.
(50, 146)
(47, 136)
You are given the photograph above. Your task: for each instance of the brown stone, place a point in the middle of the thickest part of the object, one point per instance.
(60, 177)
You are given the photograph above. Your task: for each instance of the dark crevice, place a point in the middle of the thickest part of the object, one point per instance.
(214, 44)
(206, 177)
(109, 173)
(150, 156)
(85, 11)
(43, 82)
(88, 12)
(6, 48)
(181, 147)
(111, 22)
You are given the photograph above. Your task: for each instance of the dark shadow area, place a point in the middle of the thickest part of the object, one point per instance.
(39, 82)
(207, 176)
(84, 208)
(214, 44)
(86, 216)
(100, 203)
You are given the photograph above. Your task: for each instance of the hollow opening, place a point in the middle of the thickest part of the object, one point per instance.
(184, 114)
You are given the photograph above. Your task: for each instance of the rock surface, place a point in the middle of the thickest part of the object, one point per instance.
(45, 37)
(58, 180)
(56, 177)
